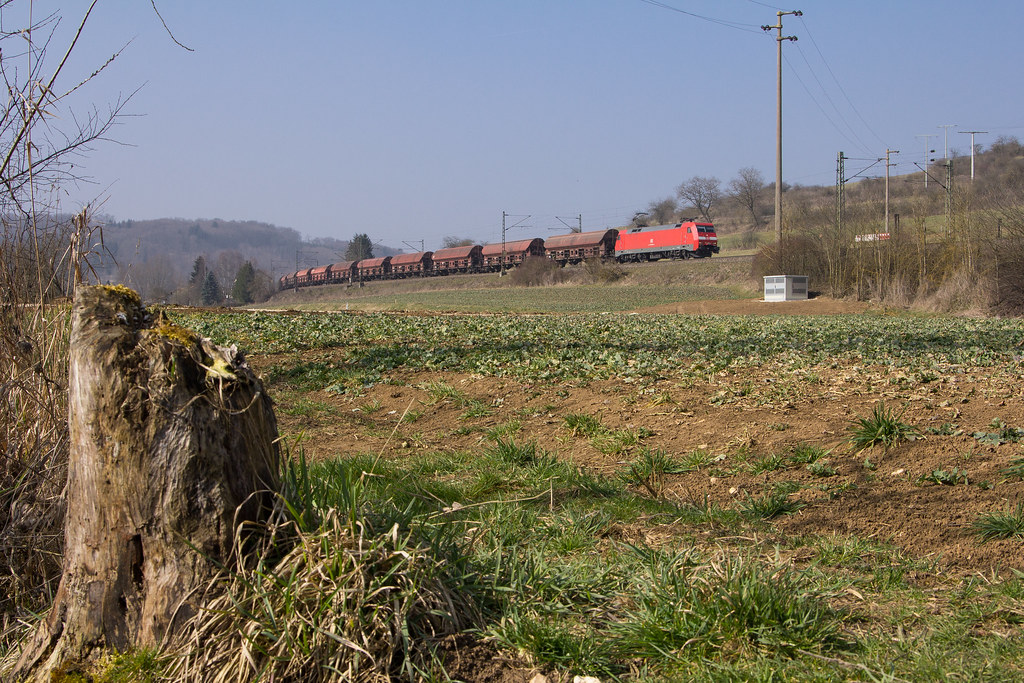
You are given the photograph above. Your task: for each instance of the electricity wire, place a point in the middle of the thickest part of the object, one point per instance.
(749, 28)
(836, 80)
(859, 141)
(824, 113)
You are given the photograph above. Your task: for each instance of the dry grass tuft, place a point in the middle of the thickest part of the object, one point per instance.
(344, 604)
(959, 293)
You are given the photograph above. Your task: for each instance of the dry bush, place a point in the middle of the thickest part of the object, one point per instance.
(343, 605)
(961, 292)
(33, 459)
(337, 586)
(1008, 297)
(602, 271)
(537, 271)
(749, 239)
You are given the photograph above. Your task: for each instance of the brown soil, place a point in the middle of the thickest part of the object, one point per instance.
(877, 495)
(886, 504)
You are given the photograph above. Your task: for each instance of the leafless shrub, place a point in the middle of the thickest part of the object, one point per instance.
(601, 271)
(537, 271)
(44, 254)
(748, 240)
(961, 293)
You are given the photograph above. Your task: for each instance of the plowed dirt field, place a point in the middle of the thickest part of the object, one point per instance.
(921, 495)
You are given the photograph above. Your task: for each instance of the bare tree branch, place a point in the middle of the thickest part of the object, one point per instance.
(166, 28)
(702, 193)
(747, 188)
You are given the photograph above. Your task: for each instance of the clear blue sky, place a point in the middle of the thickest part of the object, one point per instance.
(414, 119)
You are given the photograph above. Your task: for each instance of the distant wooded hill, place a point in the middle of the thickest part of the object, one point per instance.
(157, 256)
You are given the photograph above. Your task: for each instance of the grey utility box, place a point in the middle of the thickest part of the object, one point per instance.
(785, 287)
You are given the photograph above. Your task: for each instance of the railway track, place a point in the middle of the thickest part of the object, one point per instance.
(741, 257)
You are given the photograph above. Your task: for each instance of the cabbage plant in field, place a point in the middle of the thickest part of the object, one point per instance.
(587, 347)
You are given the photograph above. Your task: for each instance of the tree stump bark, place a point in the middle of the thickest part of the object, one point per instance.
(173, 447)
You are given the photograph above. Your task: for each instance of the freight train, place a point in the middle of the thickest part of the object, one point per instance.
(688, 239)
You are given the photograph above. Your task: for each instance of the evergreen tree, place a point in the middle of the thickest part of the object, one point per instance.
(199, 269)
(359, 248)
(196, 281)
(211, 290)
(245, 278)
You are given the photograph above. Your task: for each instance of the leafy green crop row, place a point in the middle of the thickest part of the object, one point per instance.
(553, 347)
(563, 299)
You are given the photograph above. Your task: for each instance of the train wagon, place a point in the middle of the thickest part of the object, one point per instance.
(374, 268)
(458, 260)
(320, 275)
(514, 253)
(579, 246)
(405, 265)
(343, 272)
(304, 278)
(688, 239)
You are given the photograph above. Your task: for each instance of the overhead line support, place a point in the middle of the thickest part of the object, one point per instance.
(778, 120)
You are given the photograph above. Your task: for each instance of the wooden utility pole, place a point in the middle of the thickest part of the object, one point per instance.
(778, 122)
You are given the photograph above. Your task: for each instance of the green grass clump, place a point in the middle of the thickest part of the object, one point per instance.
(1000, 525)
(650, 468)
(885, 426)
(581, 423)
(770, 505)
(510, 453)
(475, 408)
(438, 391)
(806, 454)
(767, 463)
(506, 429)
(688, 611)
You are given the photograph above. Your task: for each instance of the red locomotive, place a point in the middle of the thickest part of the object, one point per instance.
(688, 239)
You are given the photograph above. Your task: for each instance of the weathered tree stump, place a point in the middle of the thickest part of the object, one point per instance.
(173, 447)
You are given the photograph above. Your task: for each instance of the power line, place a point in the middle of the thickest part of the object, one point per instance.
(824, 113)
(838, 84)
(750, 28)
(829, 98)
